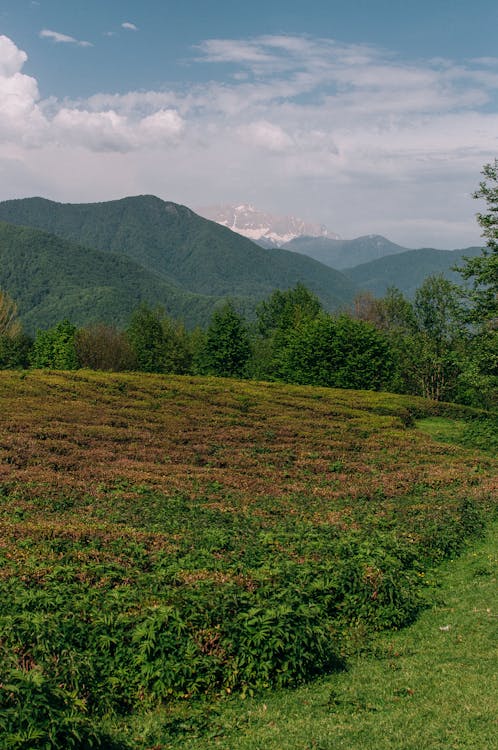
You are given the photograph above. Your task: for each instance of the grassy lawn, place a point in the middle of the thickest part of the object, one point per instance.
(431, 686)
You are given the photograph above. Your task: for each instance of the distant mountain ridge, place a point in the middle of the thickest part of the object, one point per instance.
(263, 227)
(174, 245)
(341, 254)
(407, 270)
(98, 261)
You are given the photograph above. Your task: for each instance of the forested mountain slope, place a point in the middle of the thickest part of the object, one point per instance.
(51, 278)
(407, 270)
(173, 241)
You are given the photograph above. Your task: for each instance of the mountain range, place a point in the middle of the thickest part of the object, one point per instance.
(141, 249)
(341, 254)
(264, 228)
(407, 270)
(98, 261)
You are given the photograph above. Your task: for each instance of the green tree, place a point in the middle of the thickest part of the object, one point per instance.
(14, 345)
(15, 352)
(277, 317)
(479, 377)
(178, 353)
(146, 337)
(284, 310)
(483, 269)
(338, 352)
(56, 348)
(227, 347)
(440, 339)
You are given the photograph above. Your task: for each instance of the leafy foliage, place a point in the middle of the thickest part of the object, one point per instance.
(483, 269)
(15, 352)
(9, 322)
(227, 347)
(104, 347)
(337, 352)
(56, 348)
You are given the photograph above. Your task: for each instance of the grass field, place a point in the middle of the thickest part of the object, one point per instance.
(433, 685)
(168, 542)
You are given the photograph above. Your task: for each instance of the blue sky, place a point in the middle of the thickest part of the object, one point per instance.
(369, 117)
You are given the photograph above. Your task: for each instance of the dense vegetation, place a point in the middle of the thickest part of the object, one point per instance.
(170, 540)
(49, 276)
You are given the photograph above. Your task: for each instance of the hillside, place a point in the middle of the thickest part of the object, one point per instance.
(172, 241)
(51, 278)
(407, 270)
(168, 541)
(343, 254)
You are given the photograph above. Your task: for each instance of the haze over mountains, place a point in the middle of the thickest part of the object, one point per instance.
(99, 261)
(341, 254)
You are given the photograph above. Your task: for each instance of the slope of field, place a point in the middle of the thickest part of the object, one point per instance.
(168, 540)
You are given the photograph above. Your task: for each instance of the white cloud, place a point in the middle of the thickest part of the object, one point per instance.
(266, 135)
(26, 121)
(346, 134)
(109, 131)
(129, 26)
(12, 59)
(59, 38)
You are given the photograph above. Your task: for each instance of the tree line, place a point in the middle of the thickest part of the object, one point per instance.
(442, 345)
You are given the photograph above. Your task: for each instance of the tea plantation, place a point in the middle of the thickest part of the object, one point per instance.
(168, 543)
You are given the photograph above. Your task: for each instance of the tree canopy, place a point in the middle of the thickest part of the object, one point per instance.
(483, 269)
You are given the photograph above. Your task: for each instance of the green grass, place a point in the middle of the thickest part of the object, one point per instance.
(479, 432)
(432, 686)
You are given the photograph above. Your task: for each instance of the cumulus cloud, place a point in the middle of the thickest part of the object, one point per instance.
(346, 134)
(12, 59)
(59, 38)
(27, 121)
(110, 131)
(266, 135)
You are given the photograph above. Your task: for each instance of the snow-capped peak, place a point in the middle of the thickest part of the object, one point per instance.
(263, 227)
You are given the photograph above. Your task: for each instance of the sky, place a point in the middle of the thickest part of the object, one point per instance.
(371, 116)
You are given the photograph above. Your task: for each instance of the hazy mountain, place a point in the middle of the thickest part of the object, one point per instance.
(51, 278)
(340, 254)
(407, 270)
(262, 227)
(173, 243)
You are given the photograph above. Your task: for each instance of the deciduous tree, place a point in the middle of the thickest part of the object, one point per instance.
(227, 347)
(10, 324)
